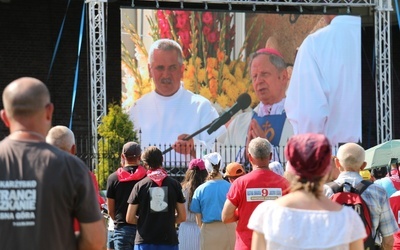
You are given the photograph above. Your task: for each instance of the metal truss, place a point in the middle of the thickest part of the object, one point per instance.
(97, 70)
(382, 10)
(383, 71)
(302, 6)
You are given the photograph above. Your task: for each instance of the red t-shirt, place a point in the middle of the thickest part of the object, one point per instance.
(247, 192)
(395, 205)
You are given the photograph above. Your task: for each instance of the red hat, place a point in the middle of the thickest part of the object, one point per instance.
(308, 155)
(270, 51)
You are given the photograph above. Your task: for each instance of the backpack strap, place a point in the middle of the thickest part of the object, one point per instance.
(360, 187)
(334, 186)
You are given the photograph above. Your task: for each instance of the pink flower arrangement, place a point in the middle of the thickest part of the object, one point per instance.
(205, 27)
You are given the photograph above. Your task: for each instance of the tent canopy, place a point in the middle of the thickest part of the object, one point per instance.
(381, 154)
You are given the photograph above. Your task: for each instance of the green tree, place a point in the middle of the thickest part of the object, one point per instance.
(115, 130)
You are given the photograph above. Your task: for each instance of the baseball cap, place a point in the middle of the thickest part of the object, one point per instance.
(197, 163)
(131, 149)
(234, 169)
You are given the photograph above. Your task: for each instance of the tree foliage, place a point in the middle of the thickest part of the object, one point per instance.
(115, 130)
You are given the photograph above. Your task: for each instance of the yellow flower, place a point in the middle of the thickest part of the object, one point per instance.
(223, 100)
(188, 84)
(201, 75)
(205, 91)
(190, 71)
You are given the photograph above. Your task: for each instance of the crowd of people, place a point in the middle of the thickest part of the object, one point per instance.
(50, 200)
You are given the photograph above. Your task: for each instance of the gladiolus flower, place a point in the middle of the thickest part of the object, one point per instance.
(213, 37)
(213, 87)
(182, 20)
(208, 18)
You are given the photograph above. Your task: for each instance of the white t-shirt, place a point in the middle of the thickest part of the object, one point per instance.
(295, 229)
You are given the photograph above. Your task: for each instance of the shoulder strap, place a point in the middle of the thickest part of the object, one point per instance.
(334, 186)
(360, 187)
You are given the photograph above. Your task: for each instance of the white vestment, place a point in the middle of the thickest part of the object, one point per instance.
(324, 95)
(161, 119)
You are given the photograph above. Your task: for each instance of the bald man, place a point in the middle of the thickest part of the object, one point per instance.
(41, 187)
(350, 159)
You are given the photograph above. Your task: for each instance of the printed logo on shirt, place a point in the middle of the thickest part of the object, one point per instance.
(262, 194)
(18, 202)
(159, 201)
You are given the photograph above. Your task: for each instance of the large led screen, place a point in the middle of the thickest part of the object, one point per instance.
(216, 48)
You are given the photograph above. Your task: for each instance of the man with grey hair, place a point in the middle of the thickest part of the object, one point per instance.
(166, 116)
(249, 190)
(350, 159)
(41, 187)
(269, 78)
(63, 138)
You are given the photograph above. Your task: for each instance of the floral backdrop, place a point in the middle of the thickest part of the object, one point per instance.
(207, 40)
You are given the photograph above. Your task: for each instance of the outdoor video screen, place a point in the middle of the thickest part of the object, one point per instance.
(216, 48)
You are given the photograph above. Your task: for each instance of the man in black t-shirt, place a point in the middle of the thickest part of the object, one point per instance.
(119, 187)
(156, 218)
(42, 188)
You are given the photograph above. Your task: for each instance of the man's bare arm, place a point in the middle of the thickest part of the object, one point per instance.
(387, 242)
(228, 212)
(181, 213)
(92, 236)
(111, 208)
(131, 214)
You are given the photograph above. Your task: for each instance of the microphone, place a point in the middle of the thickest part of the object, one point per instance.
(242, 102)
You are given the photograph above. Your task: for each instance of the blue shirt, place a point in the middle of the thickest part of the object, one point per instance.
(387, 184)
(209, 199)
